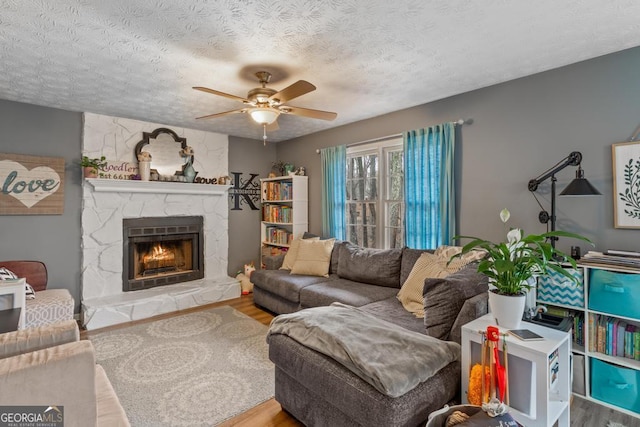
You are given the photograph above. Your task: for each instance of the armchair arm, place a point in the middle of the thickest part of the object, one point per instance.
(63, 375)
(32, 339)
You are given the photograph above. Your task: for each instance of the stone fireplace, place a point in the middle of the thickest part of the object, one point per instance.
(161, 251)
(110, 203)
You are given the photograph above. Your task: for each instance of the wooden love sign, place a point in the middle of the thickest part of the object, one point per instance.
(31, 185)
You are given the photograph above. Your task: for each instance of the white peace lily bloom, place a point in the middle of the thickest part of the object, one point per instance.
(505, 215)
(514, 236)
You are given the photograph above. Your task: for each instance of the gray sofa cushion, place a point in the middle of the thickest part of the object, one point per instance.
(444, 298)
(335, 255)
(375, 266)
(409, 258)
(473, 308)
(345, 291)
(391, 310)
(281, 283)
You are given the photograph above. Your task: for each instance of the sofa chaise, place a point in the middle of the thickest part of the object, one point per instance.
(318, 390)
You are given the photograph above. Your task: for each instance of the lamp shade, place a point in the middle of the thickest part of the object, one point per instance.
(264, 116)
(580, 186)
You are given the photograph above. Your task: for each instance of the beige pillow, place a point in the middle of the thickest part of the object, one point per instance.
(434, 265)
(410, 295)
(314, 257)
(292, 253)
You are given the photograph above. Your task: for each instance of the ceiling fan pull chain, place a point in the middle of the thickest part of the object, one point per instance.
(264, 135)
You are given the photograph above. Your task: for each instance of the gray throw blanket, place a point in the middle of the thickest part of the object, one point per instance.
(392, 359)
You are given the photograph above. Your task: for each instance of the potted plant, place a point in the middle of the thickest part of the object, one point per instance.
(92, 166)
(513, 266)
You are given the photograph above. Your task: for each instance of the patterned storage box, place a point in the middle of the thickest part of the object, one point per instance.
(556, 289)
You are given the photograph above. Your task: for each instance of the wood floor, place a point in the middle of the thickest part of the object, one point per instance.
(269, 414)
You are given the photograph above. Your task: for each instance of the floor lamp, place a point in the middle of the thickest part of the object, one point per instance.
(578, 187)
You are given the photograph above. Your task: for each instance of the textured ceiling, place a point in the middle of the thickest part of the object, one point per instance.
(139, 58)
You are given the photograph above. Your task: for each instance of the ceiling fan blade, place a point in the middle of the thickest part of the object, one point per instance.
(306, 112)
(273, 127)
(297, 89)
(211, 116)
(217, 92)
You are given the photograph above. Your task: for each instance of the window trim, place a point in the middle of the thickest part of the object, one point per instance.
(380, 147)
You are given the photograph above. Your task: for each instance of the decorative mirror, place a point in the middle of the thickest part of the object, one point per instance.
(164, 145)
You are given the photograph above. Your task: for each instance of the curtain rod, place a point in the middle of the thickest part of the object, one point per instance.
(458, 122)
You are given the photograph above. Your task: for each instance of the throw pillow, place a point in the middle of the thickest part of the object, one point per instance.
(292, 253)
(313, 257)
(432, 265)
(6, 274)
(444, 297)
(29, 293)
(367, 265)
(427, 265)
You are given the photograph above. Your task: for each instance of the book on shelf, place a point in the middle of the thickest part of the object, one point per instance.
(622, 326)
(592, 332)
(615, 252)
(601, 259)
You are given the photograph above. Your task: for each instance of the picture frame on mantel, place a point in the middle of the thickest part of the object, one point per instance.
(626, 184)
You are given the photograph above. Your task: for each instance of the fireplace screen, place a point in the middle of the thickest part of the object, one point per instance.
(161, 251)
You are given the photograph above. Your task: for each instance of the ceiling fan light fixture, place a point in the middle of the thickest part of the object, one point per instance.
(264, 116)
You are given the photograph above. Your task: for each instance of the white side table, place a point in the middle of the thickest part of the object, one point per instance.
(539, 395)
(16, 289)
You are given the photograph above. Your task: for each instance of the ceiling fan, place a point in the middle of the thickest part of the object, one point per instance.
(264, 104)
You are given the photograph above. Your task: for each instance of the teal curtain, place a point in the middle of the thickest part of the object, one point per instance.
(429, 187)
(334, 191)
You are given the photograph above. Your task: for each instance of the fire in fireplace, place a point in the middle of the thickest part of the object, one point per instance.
(162, 251)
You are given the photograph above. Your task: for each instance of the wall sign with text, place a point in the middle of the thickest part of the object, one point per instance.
(244, 191)
(31, 185)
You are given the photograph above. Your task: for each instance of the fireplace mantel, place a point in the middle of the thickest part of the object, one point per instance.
(133, 186)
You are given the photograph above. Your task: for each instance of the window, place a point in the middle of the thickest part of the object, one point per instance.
(375, 207)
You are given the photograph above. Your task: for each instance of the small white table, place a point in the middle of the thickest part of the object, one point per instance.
(539, 388)
(16, 288)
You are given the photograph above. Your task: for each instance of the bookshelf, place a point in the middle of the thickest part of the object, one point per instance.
(285, 213)
(606, 335)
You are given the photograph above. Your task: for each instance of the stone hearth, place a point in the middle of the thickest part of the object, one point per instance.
(107, 202)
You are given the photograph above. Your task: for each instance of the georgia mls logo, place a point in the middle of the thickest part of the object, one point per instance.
(244, 192)
(32, 416)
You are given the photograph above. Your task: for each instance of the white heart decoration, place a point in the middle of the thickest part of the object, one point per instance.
(32, 193)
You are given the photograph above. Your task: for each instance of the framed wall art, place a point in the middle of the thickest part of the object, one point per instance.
(31, 185)
(626, 184)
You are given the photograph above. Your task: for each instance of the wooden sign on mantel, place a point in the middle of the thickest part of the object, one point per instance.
(31, 185)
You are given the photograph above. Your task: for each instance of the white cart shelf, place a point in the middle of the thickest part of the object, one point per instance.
(535, 401)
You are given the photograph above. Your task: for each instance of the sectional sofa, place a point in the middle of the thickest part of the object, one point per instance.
(318, 390)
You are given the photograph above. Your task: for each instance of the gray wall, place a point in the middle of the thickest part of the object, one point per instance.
(52, 239)
(520, 129)
(246, 156)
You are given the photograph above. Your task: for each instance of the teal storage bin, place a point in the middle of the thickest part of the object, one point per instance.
(615, 385)
(614, 293)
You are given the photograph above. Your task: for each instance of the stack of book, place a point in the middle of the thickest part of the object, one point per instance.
(276, 213)
(278, 236)
(613, 336)
(624, 259)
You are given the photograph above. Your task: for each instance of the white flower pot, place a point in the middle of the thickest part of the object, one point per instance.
(507, 310)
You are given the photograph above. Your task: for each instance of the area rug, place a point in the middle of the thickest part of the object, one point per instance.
(198, 369)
